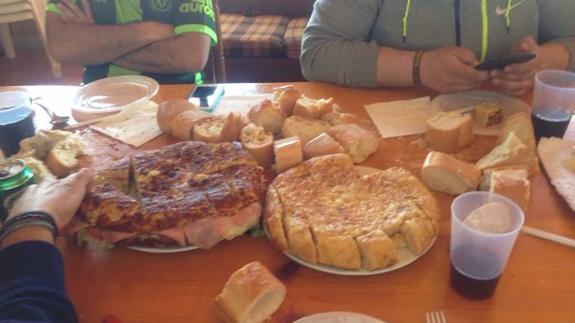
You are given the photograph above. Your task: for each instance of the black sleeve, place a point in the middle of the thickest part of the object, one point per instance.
(32, 284)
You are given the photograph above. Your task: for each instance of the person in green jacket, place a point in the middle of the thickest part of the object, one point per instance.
(436, 43)
(168, 40)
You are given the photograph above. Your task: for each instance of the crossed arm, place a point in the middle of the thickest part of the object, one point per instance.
(145, 46)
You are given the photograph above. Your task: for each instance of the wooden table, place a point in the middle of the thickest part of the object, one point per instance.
(537, 286)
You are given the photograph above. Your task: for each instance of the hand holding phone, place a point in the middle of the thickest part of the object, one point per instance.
(501, 62)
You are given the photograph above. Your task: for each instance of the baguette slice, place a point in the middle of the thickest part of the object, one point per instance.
(446, 174)
(324, 144)
(357, 142)
(169, 110)
(512, 151)
(218, 129)
(448, 132)
(62, 160)
(305, 129)
(267, 115)
(312, 108)
(510, 182)
(183, 125)
(258, 143)
(285, 97)
(520, 124)
(288, 153)
(251, 295)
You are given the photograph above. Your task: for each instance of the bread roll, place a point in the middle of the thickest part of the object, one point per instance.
(312, 108)
(305, 129)
(512, 151)
(520, 123)
(251, 295)
(183, 125)
(448, 132)
(323, 144)
(258, 143)
(357, 142)
(446, 174)
(267, 115)
(62, 160)
(218, 129)
(288, 153)
(286, 97)
(510, 182)
(169, 110)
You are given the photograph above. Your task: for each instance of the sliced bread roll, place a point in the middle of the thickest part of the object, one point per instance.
(357, 142)
(324, 144)
(218, 128)
(267, 115)
(448, 132)
(62, 159)
(288, 153)
(446, 174)
(305, 129)
(512, 182)
(169, 110)
(312, 108)
(285, 97)
(183, 125)
(258, 143)
(520, 124)
(251, 295)
(512, 151)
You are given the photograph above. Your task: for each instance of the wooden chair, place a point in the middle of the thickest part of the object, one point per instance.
(217, 68)
(19, 10)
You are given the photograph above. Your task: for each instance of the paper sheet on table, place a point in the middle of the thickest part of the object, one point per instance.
(240, 103)
(401, 118)
(134, 126)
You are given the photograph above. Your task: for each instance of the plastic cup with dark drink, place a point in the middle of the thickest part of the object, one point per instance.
(479, 252)
(553, 102)
(16, 120)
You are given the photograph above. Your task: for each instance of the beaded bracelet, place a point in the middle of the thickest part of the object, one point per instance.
(416, 75)
(27, 219)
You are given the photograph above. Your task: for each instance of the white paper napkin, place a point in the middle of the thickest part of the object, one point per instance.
(401, 118)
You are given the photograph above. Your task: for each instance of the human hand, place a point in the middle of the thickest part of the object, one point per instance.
(72, 13)
(516, 79)
(451, 69)
(59, 198)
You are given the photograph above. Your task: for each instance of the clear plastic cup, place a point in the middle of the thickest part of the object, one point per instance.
(478, 258)
(553, 102)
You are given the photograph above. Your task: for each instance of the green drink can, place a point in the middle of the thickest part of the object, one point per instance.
(15, 176)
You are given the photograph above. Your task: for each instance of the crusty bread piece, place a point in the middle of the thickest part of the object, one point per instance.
(41, 172)
(251, 295)
(40, 144)
(448, 132)
(512, 151)
(259, 143)
(267, 115)
(516, 170)
(312, 108)
(324, 144)
(288, 153)
(285, 97)
(510, 182)
(183, 125)
(444, 173)
(218, 128)
(62, 160)
(305, 129)
(335, 118)
(169, 110)
(520, 124)
(357, 142)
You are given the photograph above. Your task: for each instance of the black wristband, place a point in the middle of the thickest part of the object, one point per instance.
(416, 74)
(30, 218)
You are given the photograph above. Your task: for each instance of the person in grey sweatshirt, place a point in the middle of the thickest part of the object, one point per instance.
(436, 43)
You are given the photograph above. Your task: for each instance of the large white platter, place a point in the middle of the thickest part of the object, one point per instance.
(338, 317)
(552, 153)
(465, 101)
(163, 250)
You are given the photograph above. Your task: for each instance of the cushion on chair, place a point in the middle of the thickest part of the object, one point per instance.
(293, 35)
(253, 36)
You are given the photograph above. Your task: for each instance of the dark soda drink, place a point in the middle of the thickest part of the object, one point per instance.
(550, 122)
(475, 263)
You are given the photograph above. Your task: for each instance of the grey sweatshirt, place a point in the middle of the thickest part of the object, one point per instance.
(340, 43)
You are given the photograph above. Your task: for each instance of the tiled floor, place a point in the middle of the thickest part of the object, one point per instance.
(31, 67)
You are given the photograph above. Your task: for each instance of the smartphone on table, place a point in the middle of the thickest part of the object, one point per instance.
(207, 96)
(501, 62)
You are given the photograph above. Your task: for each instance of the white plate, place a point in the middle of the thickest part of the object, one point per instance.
(463, 100)
(338, 317)
(163, 250)
(405, 257)
(111, 95)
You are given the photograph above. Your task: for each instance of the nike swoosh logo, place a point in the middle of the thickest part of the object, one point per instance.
(500, 12)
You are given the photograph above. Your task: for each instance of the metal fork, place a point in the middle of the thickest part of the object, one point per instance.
(435, 317)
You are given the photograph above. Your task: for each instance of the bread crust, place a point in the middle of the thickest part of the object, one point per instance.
(445, 173)
(169, 110)
(267, 115)
(259, 143)
(355, 140)
(324, 144)
(450, 139)
(182, 126)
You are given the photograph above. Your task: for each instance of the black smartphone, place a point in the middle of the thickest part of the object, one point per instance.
(501, 62)
(207, 96)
